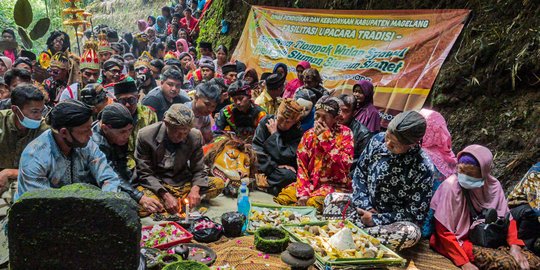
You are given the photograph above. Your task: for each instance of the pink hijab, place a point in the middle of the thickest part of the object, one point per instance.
(450, 205)
(142, 25)
(437, 143)
(184, 45)
(292, 86)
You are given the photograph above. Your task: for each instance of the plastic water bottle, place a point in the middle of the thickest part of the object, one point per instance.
(244, 206)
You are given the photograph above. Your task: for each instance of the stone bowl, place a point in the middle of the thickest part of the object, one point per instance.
(271, 240)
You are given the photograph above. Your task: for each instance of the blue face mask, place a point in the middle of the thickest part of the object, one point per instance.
(27, 122)
(468, 182)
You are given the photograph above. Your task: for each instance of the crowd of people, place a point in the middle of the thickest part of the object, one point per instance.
(134, 112)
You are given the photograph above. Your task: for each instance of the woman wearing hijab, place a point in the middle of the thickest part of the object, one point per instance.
(142, 25)
(181, 46)
(293, 85)
(151, 20)
(392, 184)
(453, 220)
(366, 112)
(437, 144)
(161, 25)
(280, 68)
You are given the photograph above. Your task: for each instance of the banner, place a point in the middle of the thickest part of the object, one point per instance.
(400, 51)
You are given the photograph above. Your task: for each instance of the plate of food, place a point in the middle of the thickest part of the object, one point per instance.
(343, 243)
(164, 235)
(195, 252)
(264, 215)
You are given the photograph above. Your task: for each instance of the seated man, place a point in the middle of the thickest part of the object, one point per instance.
(170, 161)
(12, 78)
(361, 133)
(19, 126)
(393, 183)
(243, 116)
(162, 97)
(127, 94)
(269, 99)
(111, 133)
(207, 96)
(325, 156)
(65, 155)
(276, 141)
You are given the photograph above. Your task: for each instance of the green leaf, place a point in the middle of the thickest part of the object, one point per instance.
(22, 13)
(40, 29)
(27, 43)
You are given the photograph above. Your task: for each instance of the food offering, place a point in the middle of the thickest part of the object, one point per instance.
(273, 216)
(342, 243)
(164, 235)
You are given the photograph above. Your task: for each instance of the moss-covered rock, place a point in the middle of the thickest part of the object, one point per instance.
(74, 227)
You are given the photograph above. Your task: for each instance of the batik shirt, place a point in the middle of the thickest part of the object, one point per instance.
(397, 186)
(324, 162)
(527, 191)
(44, 166)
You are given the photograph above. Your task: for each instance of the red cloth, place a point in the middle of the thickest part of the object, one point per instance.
(192, 24)
(291, 87)
(446, 243)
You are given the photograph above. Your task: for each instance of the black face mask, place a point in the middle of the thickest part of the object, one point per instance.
(74, 142)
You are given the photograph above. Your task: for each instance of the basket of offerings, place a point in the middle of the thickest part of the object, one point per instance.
(341, 243)
(266, 215)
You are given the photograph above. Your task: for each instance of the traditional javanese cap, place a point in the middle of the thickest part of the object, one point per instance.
(125, 87)
(103, 45)
(208, 64)
(144, 60)
(289, 108)
(89, 57)
(275, 81)
(228, 68)
(112, 63)
(179, 115)
(60, 60)
(239, 88)
(205, 45)
(116, 116)
(409, 127)
(331, 105)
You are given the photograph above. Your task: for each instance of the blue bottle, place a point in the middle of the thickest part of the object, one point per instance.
(244, 206)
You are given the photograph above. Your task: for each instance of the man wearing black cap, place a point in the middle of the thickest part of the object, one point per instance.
(162, 97)
(270, 98)
(127, 94)
(243, 116)
(111, 133)
(207, 70)
(65, 155)
(229, 73)
(207, 96)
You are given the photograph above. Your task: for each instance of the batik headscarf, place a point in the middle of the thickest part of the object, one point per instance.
(331, 105)
(290, 109)
(527, 191)
(437, 143)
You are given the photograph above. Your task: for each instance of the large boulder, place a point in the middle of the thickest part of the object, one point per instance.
(74, 227)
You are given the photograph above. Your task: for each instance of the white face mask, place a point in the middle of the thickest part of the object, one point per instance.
(27, 122)
(469, 182)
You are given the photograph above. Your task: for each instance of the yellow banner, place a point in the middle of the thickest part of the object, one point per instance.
(400, 51)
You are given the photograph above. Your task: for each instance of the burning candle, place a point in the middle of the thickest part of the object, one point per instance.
(187, 209)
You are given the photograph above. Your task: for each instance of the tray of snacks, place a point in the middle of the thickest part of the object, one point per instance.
(340, 243)
(164, 235)
(267, 215)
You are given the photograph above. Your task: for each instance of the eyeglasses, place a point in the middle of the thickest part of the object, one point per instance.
(129, 100)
